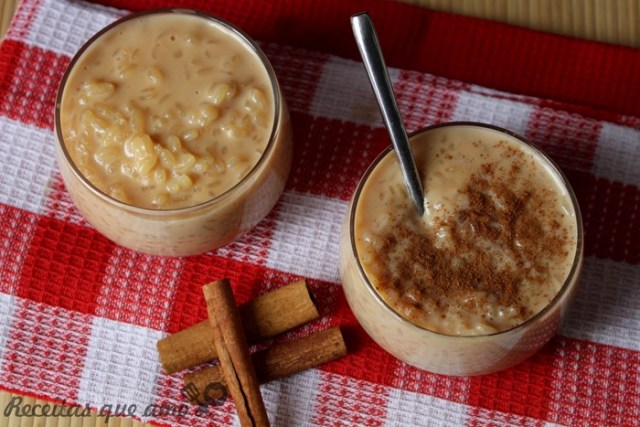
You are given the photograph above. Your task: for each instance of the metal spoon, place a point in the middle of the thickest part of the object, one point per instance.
(365, 35)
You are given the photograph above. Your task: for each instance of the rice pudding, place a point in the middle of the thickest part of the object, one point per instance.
(163, 113)
(497, 246)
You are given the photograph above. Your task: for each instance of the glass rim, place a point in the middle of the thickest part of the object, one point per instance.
(578, 255)
(234, 32)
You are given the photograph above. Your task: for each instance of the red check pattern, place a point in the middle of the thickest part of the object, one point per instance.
(80, 316)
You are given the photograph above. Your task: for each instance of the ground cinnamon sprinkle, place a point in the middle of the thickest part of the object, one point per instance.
(502, 240)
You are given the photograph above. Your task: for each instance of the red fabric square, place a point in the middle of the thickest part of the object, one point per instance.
(595, 384)
(610, 216)
(523, 390)
(45, 351)
(330, 156)
(65, 265)
(29, 78)
(188, 301)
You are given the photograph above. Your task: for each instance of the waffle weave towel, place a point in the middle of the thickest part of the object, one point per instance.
(80, 316)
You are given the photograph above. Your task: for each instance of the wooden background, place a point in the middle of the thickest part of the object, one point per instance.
(611, 21)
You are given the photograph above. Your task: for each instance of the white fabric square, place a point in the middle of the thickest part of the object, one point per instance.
(63, 26)
(605, 309)
(343, 400)
(479, 107)
(7, 304)
(121, 366)
(344, 93)
(45, 349)
(406, 408)
(28, 164)
(306, 236)
(290, 401)
(617, 155)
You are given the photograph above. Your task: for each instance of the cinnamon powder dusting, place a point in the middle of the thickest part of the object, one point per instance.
(506, 237)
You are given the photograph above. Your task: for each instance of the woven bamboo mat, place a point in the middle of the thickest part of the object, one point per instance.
(613, 21)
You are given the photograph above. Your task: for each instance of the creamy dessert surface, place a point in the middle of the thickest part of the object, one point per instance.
(495, 245)
(167, 111)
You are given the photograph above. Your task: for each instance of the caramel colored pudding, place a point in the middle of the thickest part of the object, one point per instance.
(174, 136)
(481, 280)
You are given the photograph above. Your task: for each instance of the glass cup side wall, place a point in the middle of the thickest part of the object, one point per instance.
(187, 231)
(190, 230)
(439, 353)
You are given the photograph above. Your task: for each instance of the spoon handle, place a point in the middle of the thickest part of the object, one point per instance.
(365, 35)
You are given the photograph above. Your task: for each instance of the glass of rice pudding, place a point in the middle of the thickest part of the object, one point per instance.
(484, 278)
(173, 134)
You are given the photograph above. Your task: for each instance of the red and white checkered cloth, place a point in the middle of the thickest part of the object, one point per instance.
(80, 316)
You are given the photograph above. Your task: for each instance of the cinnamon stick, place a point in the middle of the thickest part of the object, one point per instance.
(233, 353)
(278, 361)
(262, 317)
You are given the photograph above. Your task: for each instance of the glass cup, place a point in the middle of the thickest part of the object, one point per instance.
(446, 353)
(192, 229)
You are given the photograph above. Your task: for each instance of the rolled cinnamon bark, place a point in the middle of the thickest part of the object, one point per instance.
(233, 352)
(278, 361)
(263, 317)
